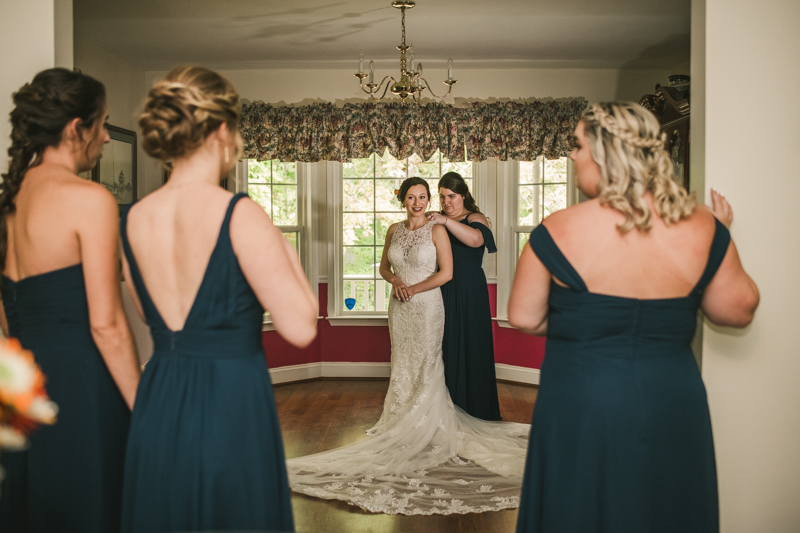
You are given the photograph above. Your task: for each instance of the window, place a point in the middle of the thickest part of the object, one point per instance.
(273, 185)
(527, 192)
(363, 191)
(286, 191)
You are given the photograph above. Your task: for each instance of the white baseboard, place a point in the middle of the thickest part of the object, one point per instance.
(287, 374)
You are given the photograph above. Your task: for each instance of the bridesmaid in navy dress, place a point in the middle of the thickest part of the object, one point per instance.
(62, 300)
(205, 449)
(467, 346)
(621, 436)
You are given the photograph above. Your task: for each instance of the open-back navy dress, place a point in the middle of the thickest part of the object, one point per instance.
(621, 436)
(205, 449)
(467, 346)
(70, 478)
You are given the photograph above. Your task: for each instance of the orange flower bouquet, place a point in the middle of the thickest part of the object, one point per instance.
(24, 404)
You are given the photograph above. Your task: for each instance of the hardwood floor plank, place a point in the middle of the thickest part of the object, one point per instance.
(320, 415)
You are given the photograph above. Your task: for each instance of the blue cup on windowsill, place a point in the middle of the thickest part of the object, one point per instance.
(350, 303)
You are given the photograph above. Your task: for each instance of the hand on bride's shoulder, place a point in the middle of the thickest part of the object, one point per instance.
(436, 217)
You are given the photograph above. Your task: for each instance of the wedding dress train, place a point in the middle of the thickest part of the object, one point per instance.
(426, 456)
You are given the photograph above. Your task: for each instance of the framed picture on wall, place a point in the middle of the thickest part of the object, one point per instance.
(116, 170)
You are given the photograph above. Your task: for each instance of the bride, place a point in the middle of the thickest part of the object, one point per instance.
(426, 456)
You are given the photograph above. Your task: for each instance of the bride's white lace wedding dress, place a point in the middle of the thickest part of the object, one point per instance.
(425, 456)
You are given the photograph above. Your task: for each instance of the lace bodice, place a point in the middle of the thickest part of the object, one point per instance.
(412, 253)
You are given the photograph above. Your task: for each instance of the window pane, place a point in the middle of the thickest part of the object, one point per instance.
(382, 223)
(555, 170)
(357, 195)
(359, 168)
(385, 199)
(362, 291)
(387, 166)
(258, 171)
(262, 195)
(528, 205)
(357, 228)
(359, 261)
(284, 205)
(555, 198)
(292, 237)
(462, 167)
(424, 169)
(529, 171)
(284, 172)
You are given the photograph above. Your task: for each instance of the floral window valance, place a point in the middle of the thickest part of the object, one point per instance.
(324, 132)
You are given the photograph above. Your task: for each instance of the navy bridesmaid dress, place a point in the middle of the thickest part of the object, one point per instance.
(205, 449)
(621, 436)
(70, 478)
(467, 346)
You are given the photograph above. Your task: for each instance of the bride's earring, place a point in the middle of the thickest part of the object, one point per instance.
(227, 155)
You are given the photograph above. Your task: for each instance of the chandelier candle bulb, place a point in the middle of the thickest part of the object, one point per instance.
(412, 62)
(371, 71)
(361, 63)
(449, 68)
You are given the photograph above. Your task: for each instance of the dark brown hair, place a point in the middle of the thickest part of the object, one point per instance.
(184, 108)
(410, 182)
(454, 182)
(42, 109)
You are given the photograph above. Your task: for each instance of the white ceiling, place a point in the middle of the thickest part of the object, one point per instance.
(242, 34)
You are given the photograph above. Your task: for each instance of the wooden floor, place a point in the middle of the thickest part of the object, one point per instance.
(324, 414)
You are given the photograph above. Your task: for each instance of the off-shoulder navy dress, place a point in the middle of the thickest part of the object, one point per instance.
(205, 449)
(467, 347)
(70, 478)
(621, 436)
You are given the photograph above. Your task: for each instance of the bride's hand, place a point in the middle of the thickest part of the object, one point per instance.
(400, 290)
(436, 217)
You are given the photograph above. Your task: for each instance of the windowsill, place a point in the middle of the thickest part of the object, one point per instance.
(503, 323)
(358, 320)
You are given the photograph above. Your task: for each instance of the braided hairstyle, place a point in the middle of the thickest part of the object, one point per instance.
(183, 109)
(42, 109)
(624, 141)
(454, 182)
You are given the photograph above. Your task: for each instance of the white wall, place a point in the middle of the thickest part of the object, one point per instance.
(27, 43)
(752, 71)
(125, 92)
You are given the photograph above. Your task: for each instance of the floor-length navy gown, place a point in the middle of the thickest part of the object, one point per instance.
(467, 346)
(205, 449)
(70, 478)
(621, 436)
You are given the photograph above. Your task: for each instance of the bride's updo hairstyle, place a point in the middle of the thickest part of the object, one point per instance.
(624, 141)
(410, 182)
(183, 109)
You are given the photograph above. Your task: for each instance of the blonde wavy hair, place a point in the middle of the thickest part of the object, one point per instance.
(624, 141)
(184, 108)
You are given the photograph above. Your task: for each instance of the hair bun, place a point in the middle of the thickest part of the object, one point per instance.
(183, 109)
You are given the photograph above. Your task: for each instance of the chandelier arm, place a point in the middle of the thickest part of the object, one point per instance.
(428, 86)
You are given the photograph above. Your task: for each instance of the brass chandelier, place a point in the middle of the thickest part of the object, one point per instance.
(411, 81)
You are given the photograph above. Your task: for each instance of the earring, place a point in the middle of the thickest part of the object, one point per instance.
(227, 155)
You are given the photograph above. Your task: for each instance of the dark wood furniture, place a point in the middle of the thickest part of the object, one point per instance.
(671, 106)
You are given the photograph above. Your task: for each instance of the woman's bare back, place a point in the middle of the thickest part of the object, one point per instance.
(665, 262)
(173, 233)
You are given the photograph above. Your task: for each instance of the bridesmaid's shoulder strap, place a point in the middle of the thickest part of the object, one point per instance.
(719, 247)
(226, 222)
(553, 259)
(488, 238)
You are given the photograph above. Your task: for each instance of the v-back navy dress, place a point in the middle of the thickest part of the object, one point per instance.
(621, 436)
(70, 477)
(205, 449)
(467, 346)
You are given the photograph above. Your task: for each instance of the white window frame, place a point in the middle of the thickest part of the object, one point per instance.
(336, 315)
(507, 228)
(307, 226)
